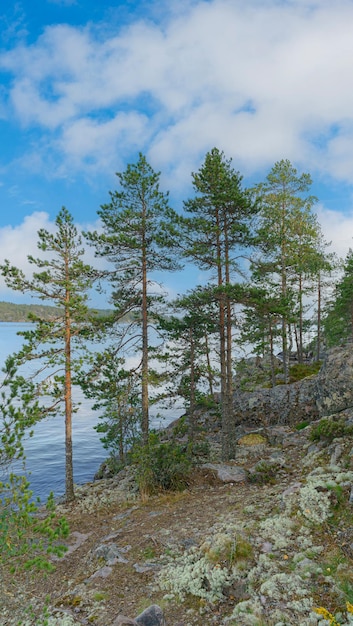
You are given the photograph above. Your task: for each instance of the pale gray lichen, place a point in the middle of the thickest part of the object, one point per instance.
(248, 613)
(193, 573)
(314, 505)
(278, 529)
(291, 586)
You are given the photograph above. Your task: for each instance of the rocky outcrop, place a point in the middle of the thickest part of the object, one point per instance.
(334, 383)
(327, 393)
(283, 404)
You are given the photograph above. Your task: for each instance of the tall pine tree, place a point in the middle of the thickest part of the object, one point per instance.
(138, 238)
(62, 279)
(214, 238)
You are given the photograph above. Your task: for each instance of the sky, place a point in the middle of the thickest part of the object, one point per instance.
(86, 85)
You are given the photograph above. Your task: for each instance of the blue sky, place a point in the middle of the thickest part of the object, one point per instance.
(86, 85)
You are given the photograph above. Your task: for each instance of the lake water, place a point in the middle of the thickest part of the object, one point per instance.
(45, 451)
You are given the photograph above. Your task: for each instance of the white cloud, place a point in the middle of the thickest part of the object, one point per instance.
(262, 80)
(337, 228)
(17, 242)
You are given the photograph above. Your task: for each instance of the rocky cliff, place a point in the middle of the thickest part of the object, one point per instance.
(327, 393)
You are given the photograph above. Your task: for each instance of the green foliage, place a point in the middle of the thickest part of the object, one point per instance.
(298, 371)
(214, 237)
(290, 240)
(161, 466)
(19, 410)
(328, 429)
(338, 322)
(117, 395)
(264, 473)
(139, 237)
(10, 312)
(62, 278)
(302, 425)
(26, 539)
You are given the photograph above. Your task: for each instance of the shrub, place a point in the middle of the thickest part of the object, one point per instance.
(161, 466)
(328, 429)
(264, 473)
(302, 425)
(28, 540)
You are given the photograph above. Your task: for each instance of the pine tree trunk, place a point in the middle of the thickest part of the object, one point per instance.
(144, 373)
(69, 479)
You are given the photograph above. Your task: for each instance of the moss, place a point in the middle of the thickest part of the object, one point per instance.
(298, 371)
(253, 439)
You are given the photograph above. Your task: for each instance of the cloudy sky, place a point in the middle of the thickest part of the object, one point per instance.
(86, 85)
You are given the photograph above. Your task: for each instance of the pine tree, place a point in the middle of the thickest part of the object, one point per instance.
(63, 280)
(214, 238)
(287, 236)
(138, 239)
(187, 351)
(338, 322)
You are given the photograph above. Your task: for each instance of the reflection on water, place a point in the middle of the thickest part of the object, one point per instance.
(45, 451)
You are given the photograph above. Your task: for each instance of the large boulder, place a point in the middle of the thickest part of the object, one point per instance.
(283, 404)
(334, 383)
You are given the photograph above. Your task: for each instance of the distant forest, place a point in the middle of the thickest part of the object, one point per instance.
(10, 312)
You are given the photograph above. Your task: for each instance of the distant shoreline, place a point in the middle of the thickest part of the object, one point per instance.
(19, 313)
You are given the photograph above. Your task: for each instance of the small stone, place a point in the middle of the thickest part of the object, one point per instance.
(227, 473)
(153, 616)
(110, 553)
(103, 572)
(146, 567)
(266, 547)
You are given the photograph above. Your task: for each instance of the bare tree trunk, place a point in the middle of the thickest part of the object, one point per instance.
(192, 388)
(69, 479)
(209, 368)
(144, 372)
(318, 319)
(272, 356)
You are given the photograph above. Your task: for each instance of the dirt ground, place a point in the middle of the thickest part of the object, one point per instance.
(86, 588)
(118, 543)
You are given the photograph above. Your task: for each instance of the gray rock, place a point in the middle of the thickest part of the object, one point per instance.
(153, 616)
(336, 454)
(110, 553)
(146, 567)
(103, 572)
(227, 473)
(334, 383)
(281, 405)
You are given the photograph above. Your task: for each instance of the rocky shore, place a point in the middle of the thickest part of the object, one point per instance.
(260, 541)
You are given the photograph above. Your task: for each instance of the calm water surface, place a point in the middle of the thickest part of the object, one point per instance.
(45, 451)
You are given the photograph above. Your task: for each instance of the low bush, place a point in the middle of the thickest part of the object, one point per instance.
(328, 429)
(264, 473)
(161, 466)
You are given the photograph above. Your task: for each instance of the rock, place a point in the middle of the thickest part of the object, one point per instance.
(153, 616)
(110, 553)
(103, 572)
(146, 567)
(334, 382)
(266, 547)
(227, 473)
(283, 404)
(336, 453)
